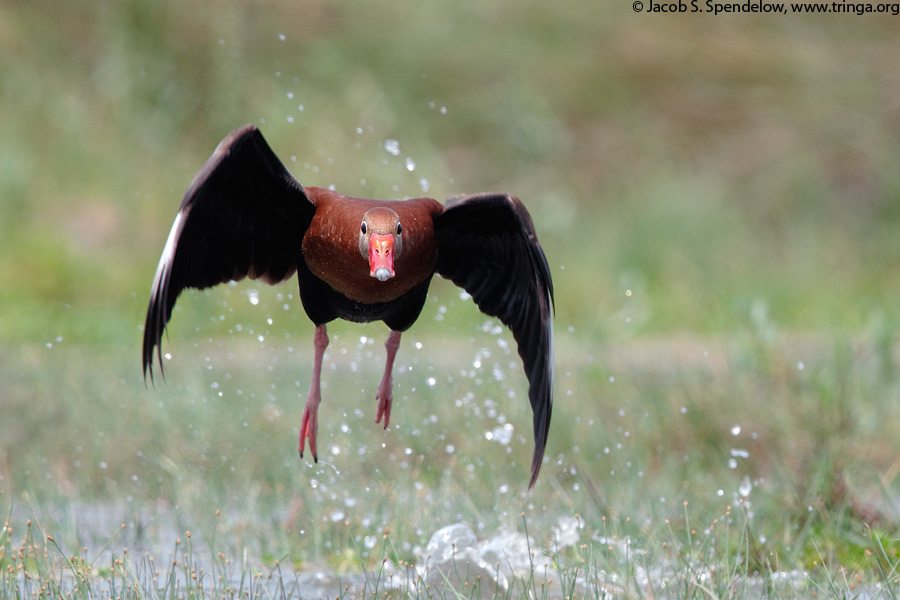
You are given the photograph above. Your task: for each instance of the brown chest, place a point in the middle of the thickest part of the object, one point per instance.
(331, 246)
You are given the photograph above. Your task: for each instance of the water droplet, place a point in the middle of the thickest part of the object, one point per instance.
(281, 37)
(392, 147)
(431, 381)
(503, 434)
(800, 366)
(740, 453)
(745, 487)
(736, 430)
(410, 164)
(423, 183)
(253, 295)
(337, 515)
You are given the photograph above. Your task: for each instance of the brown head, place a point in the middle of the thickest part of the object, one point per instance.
(380, 240)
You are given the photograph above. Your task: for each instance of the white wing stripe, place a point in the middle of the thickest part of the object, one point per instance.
(168, 255)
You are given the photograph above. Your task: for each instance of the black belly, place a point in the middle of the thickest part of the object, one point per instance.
(323, 304)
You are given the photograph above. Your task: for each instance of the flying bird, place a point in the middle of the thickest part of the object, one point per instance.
(244, 215)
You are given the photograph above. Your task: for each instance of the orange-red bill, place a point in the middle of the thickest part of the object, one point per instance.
(381, 257)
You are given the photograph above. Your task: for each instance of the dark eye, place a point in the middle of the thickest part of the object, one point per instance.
(362, 228)
(399, 229)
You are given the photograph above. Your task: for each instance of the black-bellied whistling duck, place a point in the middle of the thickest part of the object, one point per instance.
(244, 215)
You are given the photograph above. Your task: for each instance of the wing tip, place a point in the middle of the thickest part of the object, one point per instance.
(155, 323)
(536, 467)
(542, 413)
(151, 343)
(147, 365)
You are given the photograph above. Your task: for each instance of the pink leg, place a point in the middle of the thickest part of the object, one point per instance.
(385, 395)
(310, 422)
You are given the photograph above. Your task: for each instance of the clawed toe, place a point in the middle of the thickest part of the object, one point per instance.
(308, 427)
(385, 400)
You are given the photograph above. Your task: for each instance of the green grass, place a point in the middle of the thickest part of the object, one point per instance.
(716, 559)
(644, 462)
(718, 202)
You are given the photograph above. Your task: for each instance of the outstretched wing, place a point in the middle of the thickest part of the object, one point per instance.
(244, 215)
(487, 245)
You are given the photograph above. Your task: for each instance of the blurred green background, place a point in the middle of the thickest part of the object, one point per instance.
(738, 175)
(706, 163)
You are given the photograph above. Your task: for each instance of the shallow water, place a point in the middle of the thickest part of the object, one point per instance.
(505, 563)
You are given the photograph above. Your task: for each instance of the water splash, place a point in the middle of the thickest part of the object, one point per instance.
(565, 533)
